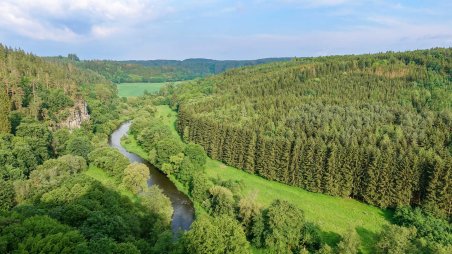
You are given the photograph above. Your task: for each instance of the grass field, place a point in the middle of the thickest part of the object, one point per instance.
(138, 89)
(334, 215)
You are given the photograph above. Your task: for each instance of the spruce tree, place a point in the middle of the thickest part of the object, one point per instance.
(329, 174)
(5, 125)
(249, 163)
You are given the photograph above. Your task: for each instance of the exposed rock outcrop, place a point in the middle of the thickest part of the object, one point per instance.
(77, 115)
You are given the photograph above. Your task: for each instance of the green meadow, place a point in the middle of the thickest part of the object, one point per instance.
(138, 89)
(334, 215)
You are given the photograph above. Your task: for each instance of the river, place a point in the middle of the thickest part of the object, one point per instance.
(184, 212)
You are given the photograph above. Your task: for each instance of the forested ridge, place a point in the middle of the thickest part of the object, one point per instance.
(159, 70)
(230, 220)
(377, 127)
(33, 87)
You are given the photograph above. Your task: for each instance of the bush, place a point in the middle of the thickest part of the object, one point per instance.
(110, 160)
(220, 235)
(48, 175)
(166, 148)
(196, 154)
(79, 145)
(249, 210)
(157, 203)
(7, 195)
(221, 201)
(280, 228)
(428, 226)
(199, 187)
(350, 243)
(396, 239)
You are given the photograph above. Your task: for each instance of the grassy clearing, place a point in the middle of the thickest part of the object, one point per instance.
(138, 89)
(132, 146)
(168, 117)
(109, 182)
(334, 215)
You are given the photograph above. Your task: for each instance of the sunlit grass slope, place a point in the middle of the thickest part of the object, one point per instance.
(138, 89)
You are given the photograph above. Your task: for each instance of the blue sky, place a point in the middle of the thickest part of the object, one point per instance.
(222, 29)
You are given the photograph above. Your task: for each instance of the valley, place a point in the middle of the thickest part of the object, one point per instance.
(337, 154)
(225, 127)
(333, 215)
(138, 89)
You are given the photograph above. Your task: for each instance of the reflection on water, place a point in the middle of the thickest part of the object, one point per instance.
(184, 212)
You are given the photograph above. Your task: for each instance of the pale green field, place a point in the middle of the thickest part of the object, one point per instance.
(334, 215)
(138, 89)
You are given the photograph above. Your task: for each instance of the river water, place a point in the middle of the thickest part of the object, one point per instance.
(184, 212)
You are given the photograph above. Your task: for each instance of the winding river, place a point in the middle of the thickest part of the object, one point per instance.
(184, 212)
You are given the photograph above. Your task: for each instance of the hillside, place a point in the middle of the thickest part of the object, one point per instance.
(50, 92)
(41, 102)
(376, 128)
(333, 215)
(199, 67)
(62, 189)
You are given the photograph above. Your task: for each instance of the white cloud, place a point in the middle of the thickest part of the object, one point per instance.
(352, 40)
(386, 21)
(145, 29)
(55, 19)
(318, 3)
(13, 18)
(99, 31)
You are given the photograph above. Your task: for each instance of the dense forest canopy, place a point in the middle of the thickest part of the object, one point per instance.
(33, 87)
(237, 220)
(52, 199)
(40, 102)
(373, 127)
(160, 70)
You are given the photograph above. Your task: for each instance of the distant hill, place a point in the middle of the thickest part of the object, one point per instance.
(162, 70)
(214, 66)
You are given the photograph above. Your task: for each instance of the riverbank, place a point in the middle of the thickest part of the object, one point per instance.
(334, 215)
(183, 208)
(130, 144)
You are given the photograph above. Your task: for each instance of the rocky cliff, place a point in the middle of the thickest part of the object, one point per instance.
(77, 115)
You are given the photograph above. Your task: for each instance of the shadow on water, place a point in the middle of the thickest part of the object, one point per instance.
(184, 212)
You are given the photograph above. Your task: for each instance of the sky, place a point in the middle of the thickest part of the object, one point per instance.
(222, 29)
